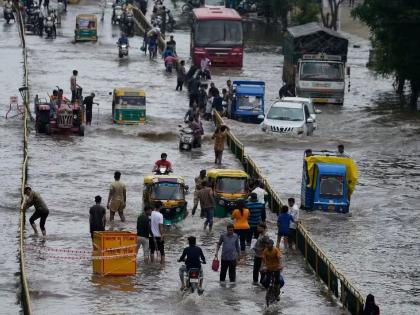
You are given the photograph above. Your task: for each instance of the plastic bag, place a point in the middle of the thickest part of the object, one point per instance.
(215, 264)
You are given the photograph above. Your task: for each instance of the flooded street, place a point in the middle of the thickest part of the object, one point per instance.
(377, 247)
(11, 155)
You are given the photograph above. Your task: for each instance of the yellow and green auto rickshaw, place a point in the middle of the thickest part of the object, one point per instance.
(86, 28)
(129, 106)
(229, 186)
(170, 190)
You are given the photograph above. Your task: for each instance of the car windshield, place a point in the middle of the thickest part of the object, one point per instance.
(231, 185)
(132, 100)
(249, 102)
(285, 113)
(218, 33)
(331, 186)
(167, 191)
(323, 71)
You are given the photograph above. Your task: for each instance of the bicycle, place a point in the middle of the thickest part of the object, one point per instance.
(273, 289)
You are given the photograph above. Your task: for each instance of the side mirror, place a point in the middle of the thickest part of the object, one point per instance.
(261, 116)
(310, 120)
(348, 71)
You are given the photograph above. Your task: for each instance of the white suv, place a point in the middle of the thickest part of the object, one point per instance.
(308, 102)
(288, 118)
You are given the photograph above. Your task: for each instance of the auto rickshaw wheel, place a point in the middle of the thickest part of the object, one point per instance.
(48, 129)
(81, 130)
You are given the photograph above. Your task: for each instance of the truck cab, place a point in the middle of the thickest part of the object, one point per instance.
(328, 181)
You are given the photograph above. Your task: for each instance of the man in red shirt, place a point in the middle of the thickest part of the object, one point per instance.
(163, 162)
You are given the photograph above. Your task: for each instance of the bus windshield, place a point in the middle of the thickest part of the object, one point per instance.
(321, 71)
(167, 191)
(132, 100)
(331, 186)
(218, 33)
(231, 185)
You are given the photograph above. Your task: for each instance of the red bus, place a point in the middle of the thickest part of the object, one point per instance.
(216, 33)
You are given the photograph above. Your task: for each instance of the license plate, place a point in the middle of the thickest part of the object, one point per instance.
(331, 208)
(194, 280)
(217, 59)
(320, 100)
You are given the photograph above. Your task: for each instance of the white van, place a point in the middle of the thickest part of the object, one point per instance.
(288, 118)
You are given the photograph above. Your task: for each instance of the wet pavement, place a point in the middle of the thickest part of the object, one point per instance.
(376, 246)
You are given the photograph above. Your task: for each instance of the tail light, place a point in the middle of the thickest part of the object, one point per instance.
(194, 274)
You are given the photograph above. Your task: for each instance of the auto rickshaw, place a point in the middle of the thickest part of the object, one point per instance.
(170, 190)
(86, 28)
(129, 106)
(328, 181)
(229, 186)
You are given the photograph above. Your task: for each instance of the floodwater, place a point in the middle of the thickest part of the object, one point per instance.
(70, 171)
(379, 256)
(11, 153)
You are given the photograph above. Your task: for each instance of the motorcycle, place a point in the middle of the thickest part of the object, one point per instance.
(194, 280)
(49, 27)
(129, 25)
(186, 139)
(162, 171)
(117, 15)
(8, 14)
(122, 50)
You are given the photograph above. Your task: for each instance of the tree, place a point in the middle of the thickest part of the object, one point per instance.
(395, 27)
(330, 19)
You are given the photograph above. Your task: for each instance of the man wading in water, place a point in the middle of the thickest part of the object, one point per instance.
(117, 198)
(41, 210)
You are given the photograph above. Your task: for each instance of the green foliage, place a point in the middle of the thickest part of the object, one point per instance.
(306, 11)
(395, 25)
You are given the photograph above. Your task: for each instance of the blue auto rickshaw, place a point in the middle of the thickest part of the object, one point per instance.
(248, 101)
(328, 181)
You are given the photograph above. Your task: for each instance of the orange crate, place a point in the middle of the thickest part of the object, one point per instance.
(125, 246)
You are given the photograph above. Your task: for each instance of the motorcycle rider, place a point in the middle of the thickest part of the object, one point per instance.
(205, 64)
(123, 40)
(194, 258)
(163, 162)
(8, 10)
(198, 131)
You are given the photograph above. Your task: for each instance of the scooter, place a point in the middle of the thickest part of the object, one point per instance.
(122, 50)
(185, 139)
(8, 14)
(49, 27)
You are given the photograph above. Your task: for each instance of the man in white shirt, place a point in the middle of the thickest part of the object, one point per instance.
(156, 241)
(294, 212)
(260, 191)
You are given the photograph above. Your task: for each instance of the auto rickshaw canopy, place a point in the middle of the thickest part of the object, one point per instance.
(84, 21)
(216, 173)
(125, 91)
(351, 169)
(152, 179)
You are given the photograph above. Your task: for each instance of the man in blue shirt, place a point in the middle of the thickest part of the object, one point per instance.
(123, 40)
(283, 223)
(194, 257)
(257, 215)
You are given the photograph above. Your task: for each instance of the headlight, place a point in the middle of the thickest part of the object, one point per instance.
(221, 202)
(299, 130)
(75, 117)
(178, 209)
(167, 210)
